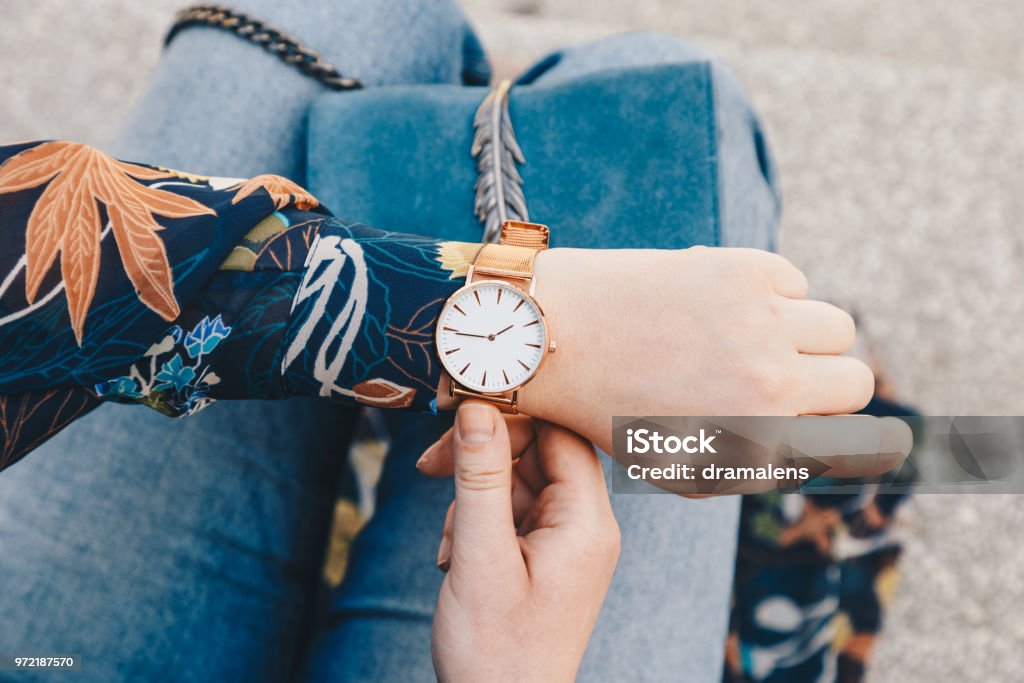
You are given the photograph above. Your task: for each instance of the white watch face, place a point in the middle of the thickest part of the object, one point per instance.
(491, 337)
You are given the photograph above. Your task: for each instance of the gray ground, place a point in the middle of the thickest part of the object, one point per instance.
(896, 125)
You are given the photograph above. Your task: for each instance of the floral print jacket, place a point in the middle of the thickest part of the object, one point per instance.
(134, 283)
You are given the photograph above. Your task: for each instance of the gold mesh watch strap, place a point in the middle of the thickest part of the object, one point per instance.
(512, 258)
(507, 403)
(530, 235)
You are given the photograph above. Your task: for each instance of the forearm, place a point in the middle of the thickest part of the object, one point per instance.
(320, 307)
(137, 283)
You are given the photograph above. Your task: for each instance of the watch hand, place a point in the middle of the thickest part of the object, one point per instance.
(503, 331)
(467, 334)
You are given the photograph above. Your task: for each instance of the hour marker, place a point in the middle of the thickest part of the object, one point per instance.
(456, 307)
(477, 295)
(463, 370)
(524, 365)
(536, 346)
(521, 302)
(484, 380)
(499, 295)
(448, 353)
(505, 375)
(449, 329)
(535, 322)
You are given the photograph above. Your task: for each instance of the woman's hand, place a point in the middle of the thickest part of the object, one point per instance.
(700, 331)
(529, 549)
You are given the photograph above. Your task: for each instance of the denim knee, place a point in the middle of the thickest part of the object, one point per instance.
(622, 50)
(249, 116)
(378, 41)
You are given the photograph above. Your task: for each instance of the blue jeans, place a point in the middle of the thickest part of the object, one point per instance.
(191, 550)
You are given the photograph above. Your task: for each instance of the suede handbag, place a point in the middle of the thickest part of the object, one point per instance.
(628, 157)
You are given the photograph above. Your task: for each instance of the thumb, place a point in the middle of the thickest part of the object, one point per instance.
(482, 527)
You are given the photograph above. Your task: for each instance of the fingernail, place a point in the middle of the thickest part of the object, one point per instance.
(476, 424)
(444, 559)
(427, 454)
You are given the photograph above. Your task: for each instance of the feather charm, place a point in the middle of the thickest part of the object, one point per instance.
(499, 195)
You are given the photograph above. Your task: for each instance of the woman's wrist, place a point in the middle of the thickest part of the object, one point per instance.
(551, 393)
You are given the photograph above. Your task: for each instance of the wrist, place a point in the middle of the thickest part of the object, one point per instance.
(545, 395)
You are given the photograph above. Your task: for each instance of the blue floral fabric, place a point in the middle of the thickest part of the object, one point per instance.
(814, 573)
(175, 376)
(136, 283)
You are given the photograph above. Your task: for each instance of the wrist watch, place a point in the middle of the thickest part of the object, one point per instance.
(492, 337)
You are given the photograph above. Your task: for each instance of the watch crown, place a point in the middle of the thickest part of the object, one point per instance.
(552, 346)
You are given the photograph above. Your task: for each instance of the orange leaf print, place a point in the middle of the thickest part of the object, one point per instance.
(35, 166)
(145, 262)
(383, 393)
(44, 232)
(66, 221)
(79, 249)
(283, 191)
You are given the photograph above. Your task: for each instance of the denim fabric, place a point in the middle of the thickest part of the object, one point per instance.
(222, 106)
(190, 550)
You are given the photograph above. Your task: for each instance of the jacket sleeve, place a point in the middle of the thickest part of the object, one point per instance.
(136, 283)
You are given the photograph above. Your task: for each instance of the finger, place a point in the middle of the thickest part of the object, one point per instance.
(529, 468)
(523, 500)
(567, 458)
(444, 550)
(832, 385)
(817, 327)
(574, 491)
(528, 474)
(576, 479)
(483, 529)
(523, 497)
(853, 445)
(787, 280)
(437, 460)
